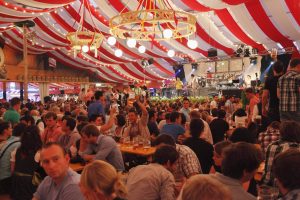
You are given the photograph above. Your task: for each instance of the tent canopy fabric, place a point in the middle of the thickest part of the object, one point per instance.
(261, 24)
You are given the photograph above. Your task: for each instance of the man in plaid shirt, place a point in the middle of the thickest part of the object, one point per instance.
(288, 92)
(187, 164)
(272, 134)
(290, 138)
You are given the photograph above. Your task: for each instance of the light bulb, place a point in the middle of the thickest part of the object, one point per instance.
(142, 49)
(167, 33)
(118, 52)
(171, 53)
(85, 48)
(111, 40)
(192, 44)
(131, 43)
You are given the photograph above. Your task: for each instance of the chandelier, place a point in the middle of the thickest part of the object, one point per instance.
(152, 20)
(83, 40)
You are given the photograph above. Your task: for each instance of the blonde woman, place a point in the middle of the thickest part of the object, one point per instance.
(100, 181)
(204, 187)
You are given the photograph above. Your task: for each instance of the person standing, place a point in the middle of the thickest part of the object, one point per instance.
(12, 114)
(253, 100)
(269, 96)
(288, 92)
(186, 109)
(194, 85)
(96, 107)
(178, 86)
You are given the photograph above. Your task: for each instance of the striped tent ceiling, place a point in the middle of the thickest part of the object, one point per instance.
(261, 24)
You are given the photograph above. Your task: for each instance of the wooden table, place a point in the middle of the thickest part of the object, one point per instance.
(141, 151)
(77, 167)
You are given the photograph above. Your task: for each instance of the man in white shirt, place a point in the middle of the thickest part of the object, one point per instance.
(154, 181)
(194, 85)
(213, 103)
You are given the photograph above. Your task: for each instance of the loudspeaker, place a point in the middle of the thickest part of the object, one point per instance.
(212, 52)
(151, 61)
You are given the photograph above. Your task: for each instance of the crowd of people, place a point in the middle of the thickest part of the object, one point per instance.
(210, 150)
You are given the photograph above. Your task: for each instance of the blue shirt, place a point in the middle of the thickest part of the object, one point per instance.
(95, 108)
(67, 190)
(107, 150)
(173, 130)
(5, 171)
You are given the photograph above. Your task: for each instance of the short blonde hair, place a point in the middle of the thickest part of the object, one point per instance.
(101, 177)
(204, 187)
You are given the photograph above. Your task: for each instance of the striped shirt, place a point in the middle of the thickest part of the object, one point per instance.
(274, 149)
(289, 85)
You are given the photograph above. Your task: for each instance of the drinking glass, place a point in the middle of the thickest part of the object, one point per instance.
(266, 192)
(147, 144)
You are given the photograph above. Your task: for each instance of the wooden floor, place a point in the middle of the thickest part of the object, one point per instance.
(5, 197)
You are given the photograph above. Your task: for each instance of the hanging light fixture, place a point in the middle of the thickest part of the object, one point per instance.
(131, 43)
(111, 40)
(82, 39)
(153, 20)
(171, 53)
(118, 53)
(192, 44)
(142, 49)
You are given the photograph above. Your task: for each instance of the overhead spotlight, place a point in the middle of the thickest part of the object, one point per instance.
(194, 66)
(111, 40)
(131, 43)
(247, 52)
(167, 33)
(239, 51)
(118, 52)
(171, 53)
(142, 49)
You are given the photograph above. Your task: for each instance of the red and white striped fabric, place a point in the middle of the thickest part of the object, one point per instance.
(262, 24)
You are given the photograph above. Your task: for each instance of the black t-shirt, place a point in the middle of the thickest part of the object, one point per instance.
(271, 85)
(203, 150)
(218, 129)
(153, 129)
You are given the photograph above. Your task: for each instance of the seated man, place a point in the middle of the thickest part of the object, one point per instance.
(239, 165)
(154, 181)
(286, 171)
(173, 128)
(188, 163)
(137, 126)
(61, 182)
(100, 147)
(52, 131)
(70, 136)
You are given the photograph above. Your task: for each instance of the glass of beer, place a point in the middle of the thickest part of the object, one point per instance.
(258, 120)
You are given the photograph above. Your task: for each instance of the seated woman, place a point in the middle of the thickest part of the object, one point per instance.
(100, 180)
(202, 148)
(218, 155)
(120, 121)
(24, 163)
(205, 187)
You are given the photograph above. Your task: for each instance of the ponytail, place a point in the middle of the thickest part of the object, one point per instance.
(119, 187)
